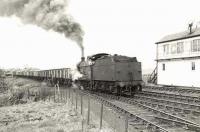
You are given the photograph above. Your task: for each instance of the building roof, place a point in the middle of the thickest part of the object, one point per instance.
(179, 36)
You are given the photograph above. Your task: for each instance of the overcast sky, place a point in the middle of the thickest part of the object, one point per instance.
(126, 27)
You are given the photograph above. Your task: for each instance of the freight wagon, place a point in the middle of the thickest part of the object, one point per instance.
(62, 76)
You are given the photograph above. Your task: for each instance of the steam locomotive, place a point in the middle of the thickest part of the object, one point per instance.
(101, 72)
(114, 74)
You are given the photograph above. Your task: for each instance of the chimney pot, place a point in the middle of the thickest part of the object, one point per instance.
(190, 27)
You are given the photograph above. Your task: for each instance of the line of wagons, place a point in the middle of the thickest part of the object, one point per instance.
(62, 76)
(115, 74)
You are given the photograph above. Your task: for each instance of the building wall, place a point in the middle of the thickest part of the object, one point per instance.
(186, 49)
(179, 72)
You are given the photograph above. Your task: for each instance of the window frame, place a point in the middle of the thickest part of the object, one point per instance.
(193, 66)
(195, 45)
(166, 49)
(180, 48)
(173, 48)
(163, 67)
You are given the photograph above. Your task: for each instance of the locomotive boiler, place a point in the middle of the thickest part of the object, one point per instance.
(111, 74)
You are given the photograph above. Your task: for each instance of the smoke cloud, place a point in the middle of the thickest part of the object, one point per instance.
(48, 14)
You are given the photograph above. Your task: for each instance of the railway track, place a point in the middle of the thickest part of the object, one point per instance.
(144, 116)
(174, 89)
(178, 97)
(142, 123)
(179, 109)
(193, 103)
(192, 107)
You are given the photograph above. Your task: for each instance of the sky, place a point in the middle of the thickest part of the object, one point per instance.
(124, 27)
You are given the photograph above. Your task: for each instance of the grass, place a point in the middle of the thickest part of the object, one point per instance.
(42, 115)
(19, 91)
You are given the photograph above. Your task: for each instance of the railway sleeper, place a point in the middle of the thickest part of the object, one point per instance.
(175, 109)
(179, 110)
(166, 114)
(189, 106)
(183, 124)
(145, 122)
(169, 95)
(171, 122)
(196, 113)
(175, 89)
(172, 116)
(154, 126)
(187, 103)
(139, 127)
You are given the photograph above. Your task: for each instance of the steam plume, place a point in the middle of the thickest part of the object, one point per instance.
(48, 14)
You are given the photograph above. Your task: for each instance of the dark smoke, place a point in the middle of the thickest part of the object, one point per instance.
(48, 14)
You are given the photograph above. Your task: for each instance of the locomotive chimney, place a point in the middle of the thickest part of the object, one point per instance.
(82, 54)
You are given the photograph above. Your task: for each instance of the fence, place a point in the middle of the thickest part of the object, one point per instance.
(3, 85)
(93, 111)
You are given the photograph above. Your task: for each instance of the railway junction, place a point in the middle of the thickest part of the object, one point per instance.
(154, 109)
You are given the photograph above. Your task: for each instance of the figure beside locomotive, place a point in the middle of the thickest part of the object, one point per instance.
(115, 74)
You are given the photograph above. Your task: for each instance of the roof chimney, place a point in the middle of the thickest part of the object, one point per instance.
(190, 27)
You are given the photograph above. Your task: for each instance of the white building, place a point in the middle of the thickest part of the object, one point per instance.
(178, 59)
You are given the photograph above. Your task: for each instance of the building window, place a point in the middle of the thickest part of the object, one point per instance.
(166, 49)
(163, 67)
(180, 47)
(193, 65)
(177, 48)
(195, 47)
(173, 48)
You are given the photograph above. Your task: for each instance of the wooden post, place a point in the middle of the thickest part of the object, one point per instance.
(61, 95)
(88, 118)
(126, 123)
(54, 95)
(43, 94)
(44, 97)
(72, 97)
(66, 95)
(81, 104)
(69, 93)
(82, 123)
(32, 95)
(58, 95)
(28, 93)
(39, 95)
(101, 116)
(63, 91)
(35, 96)
(76, 100)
